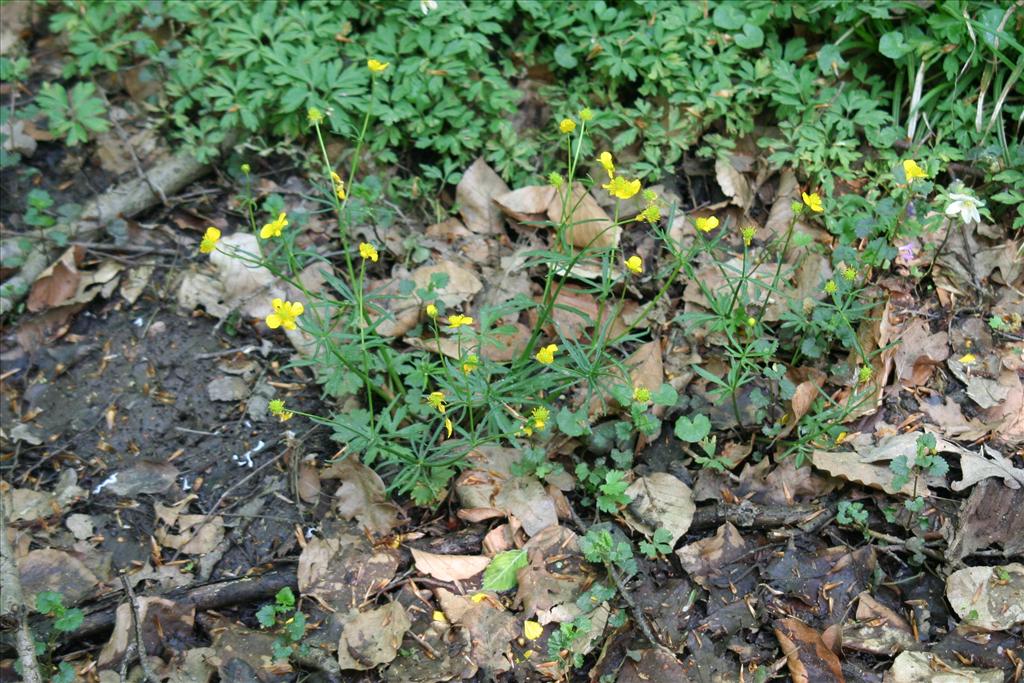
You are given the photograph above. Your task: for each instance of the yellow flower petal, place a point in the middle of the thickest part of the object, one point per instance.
(813, 202)
(547, 354)
(706, 224)
(968, 359)
(532, 630)
(377, 66)
(567, 126)
(273, 321)
(439, 616)
(635, 264)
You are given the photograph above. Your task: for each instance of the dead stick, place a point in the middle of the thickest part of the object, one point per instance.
(140, 643)
(12, 601)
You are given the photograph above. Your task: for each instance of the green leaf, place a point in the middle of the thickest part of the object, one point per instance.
(49, 602)
(729, 17)
(692, 430)
(573, 424)
(285, 598)
(893, 45)
(266, 615)
(500, 574)
(665, 395)
(69, 621)
(564, 57)
(65, 673)
(751, 38)
(830, 60)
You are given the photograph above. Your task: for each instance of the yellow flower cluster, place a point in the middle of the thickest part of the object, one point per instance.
(277, 409)
(617, 186)
(367, 251)
(339, 185)
(567, 126)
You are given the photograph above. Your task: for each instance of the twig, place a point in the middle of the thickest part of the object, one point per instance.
(638, 614)
(12, 601)
(140, 644)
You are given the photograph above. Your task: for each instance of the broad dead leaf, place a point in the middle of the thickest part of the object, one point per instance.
(449, 567)
(734, 184)
(919, 352)
(372, 638)
(529, 502)
(461, 286)
(660, 501)
(988, 462)
(528, 203)
(48, 569)
(921, 667)
(160, 620)
(475, 195)
(808, 658)
(990, 598)
(589, 225)
(361, 496)
(342, 571)
(58, 283)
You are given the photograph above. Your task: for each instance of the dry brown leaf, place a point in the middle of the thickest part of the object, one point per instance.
(808, 658)
(461, 287)
(342, 571)
(704, 558)
(852, 467)
(449, 567)
(475, 194)
(989, 598)
(198, 534)
(526, 499)
(734, 184)
(528, 203)
(58, 283)
(988, 462)
(922, 667)
(372, 638)
(308, 484)
(159, 619)
(589, 225)
(919, 352)
(660, 501)
(48, 569)
(361, 496)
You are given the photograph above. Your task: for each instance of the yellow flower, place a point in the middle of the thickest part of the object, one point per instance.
(652, 214)
(831, 287)
(478, 597)
(246, 168)
(586, 114)
(284, 314)
(813, 202)
(968, 359)
(865, 373)
(314, 116)
(532, 630)
(641, 394)
(547, 354)
(635, 264)
(339, 185)
(367, 251)
(540, 416)
(439, 616)
(567, 126)
(273, 229)
(912, 171)
(376, 66)
(622, 188)
(436, 400)
(606, 160)
(210, 238)
(850, 274)
(470, 363)
(748, 235)
(448, 426)
(276, 408)
(457, 321)
(431, 311)
(706, 224)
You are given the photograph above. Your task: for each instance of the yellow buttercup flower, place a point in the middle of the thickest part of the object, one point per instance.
(912, 171)
(439, 616)
(209, 242)
(367, 251)
(470, 363)
(448, 426)
(274, 228)
(652, 214)
(849, 273)
(532, 629)
(567, 126)
(968, 359)
(540, 416)
(276, 408)
(748, 235)
(831, 287)
(314, 116)
(436, 400)
(622, 188)
(377, 66)
(586, 114)
(635, 264)
(813, 202)
(284, 315)
(606, 161)
(457, 321)
(865, 373)
(547, 354)
(706, 224)
(431, 311)
(641, 394)
(339, 185)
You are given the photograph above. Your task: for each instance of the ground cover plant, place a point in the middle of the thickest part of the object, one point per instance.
(520, 340)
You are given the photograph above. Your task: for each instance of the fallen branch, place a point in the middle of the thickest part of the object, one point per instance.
(125, 200)
(12, 602)
(750, 515)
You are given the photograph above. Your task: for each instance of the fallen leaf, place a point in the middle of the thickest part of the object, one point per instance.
(921, 667)
(48, 569)
(527, 204)
(704, 558)
(372, 638)
(58, 283)
(808, 658)
(992, 514)
(461, 286)
(342, 571)
(134, 283)
(308, 482)
(362, 496)
(989, 598)
(529, 502)
(144, 477)
(919, 352)
(734, 184)
(589, 225)
(987, 462)
(660, 501)
(161, 621)
(474, 196)
(449, 567)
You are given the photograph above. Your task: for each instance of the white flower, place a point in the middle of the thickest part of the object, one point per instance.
(427, 6)
(966, 206)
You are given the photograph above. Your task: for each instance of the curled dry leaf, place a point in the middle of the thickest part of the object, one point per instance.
(48, 569)
(589, 225)
(475, 195)
(160, 620)
(922, 667)
(449, 567)
(372, 638)
(362, 496)
(528, 203)
(919, 353)
(58, 283)
(808, 658)
(462, 284)
(526, 499)
(342, 571)
(987, 462)
(734, 184)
